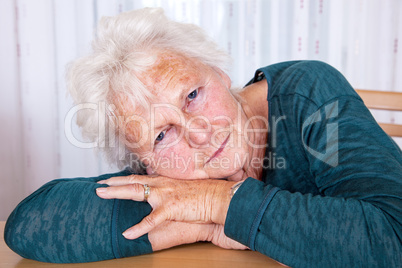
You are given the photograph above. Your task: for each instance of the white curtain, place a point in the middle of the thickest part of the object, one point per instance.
(362, 38)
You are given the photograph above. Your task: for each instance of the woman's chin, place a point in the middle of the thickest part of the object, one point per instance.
(238, 176)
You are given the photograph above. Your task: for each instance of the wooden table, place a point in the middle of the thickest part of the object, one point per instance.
(194, 255)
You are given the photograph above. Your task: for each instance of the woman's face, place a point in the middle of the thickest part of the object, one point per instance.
(194, 127)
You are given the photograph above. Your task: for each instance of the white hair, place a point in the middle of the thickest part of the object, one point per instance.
(124, 47)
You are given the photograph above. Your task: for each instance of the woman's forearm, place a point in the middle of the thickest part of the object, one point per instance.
(66, 222)
(314, 231)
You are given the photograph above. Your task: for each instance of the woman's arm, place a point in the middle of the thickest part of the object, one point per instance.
(313, 231)
(64, 221)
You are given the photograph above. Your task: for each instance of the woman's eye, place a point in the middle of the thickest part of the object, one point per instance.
(193, 95)
(160, 136)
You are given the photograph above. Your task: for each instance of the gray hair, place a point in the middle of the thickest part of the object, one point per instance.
(123, 48)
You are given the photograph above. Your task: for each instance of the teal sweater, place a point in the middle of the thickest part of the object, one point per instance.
(334, 197)
(331, 194)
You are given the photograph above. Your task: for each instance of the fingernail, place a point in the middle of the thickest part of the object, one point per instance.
(102, 182)
(130, 233)
(127, 234)
(101, 190)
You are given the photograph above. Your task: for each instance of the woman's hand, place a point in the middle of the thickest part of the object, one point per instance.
(196, 201)
(174, 233)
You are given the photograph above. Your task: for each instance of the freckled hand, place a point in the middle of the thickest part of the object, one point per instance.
(197, 201)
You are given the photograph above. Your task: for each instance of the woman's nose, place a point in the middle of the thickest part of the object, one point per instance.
(198, 132)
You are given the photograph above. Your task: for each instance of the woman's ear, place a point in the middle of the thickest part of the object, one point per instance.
(225, 78)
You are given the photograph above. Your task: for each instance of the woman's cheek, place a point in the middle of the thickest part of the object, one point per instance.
(173, 160)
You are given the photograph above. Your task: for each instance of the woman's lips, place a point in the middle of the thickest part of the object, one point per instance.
(220, 149)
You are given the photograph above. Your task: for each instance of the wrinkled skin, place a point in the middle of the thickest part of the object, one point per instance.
(194, 201)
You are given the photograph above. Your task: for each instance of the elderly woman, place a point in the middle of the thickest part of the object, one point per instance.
(293, 165)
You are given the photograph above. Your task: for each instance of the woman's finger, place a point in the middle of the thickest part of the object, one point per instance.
(134, 192)
(124, 180)
(146, 225)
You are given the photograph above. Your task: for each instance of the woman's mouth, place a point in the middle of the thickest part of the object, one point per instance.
(218, 152)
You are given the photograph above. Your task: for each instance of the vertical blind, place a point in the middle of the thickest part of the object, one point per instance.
(361, 38)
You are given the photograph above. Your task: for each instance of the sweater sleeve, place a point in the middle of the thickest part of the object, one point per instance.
(64, 221)
(354, 221)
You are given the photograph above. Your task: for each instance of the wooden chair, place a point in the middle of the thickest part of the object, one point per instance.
(384, 100)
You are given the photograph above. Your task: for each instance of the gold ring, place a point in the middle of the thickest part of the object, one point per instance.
(147, 191)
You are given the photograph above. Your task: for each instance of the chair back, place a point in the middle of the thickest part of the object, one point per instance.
(384, 100)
